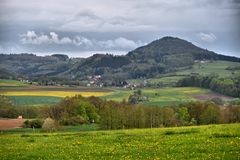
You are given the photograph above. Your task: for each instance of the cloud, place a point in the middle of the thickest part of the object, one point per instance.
(93, 24)
(88, 21)
(120, 42)
(31, 37)
(207, 37)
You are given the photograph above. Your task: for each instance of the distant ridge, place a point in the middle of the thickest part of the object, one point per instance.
(161, 56)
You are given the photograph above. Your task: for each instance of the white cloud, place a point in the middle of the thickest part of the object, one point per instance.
(31, 37)
(208, 37)
(82, 41)
(120, 43)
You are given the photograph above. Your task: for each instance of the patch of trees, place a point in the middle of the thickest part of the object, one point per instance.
(61, 57)
(137, 97)
(36, 123)
(9, 110)
(73, 111)
(227, 86)
(101, 60)
(146, 69)
(112, 61)
(197, 113)
(79, 110)
(233, 68)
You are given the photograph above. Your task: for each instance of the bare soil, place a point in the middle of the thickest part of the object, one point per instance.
(10, 123)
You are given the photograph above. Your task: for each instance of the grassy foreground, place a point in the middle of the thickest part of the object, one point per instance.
(199, 142)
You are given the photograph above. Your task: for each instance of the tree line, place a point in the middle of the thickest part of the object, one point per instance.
(79, 110)
(228, 86)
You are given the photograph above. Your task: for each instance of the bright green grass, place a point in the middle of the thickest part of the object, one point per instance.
(34, 100)
(135, 81)
(218, 67)
(199, 142)
(161, 96)
(170, 79)
(118, 95)
(11, 83)
(171, 96)
(165, 81)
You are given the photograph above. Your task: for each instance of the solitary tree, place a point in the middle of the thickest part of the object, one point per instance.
(183, 115)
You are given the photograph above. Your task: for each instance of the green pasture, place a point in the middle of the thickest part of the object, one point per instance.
(119, 95)
(217, 67)
(198, 142)
(164, 80)
(171, 96)
(170, 79)
(12, 83)
(161, 96)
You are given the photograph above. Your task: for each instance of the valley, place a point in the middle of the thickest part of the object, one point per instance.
(37, 96)
(119, 80)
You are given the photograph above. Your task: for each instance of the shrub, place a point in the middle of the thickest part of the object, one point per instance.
(76, 120)
(36, 123)
(49, 125)
(217, 101)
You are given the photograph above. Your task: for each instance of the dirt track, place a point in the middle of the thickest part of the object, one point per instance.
(10, 123)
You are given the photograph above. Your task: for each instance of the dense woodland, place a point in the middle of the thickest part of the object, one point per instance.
(78, 110)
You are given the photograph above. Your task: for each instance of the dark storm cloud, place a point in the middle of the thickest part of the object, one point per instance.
(93, 25)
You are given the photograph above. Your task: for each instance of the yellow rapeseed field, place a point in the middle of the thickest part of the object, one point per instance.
(53, 93)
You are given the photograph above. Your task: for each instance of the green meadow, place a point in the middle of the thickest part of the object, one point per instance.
(156, 97)
(12, 83)
(198, 142)
(161, 96)
(217, 67)
(208, 68)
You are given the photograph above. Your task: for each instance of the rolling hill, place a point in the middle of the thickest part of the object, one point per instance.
(162, 56)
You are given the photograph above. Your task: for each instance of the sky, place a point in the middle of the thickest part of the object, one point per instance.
(81, 28)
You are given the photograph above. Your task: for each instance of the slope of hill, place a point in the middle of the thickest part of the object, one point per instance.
(170, 48)
(166, 55)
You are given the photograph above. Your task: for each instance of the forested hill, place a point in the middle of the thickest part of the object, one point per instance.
(170, 48)
(165, 55)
